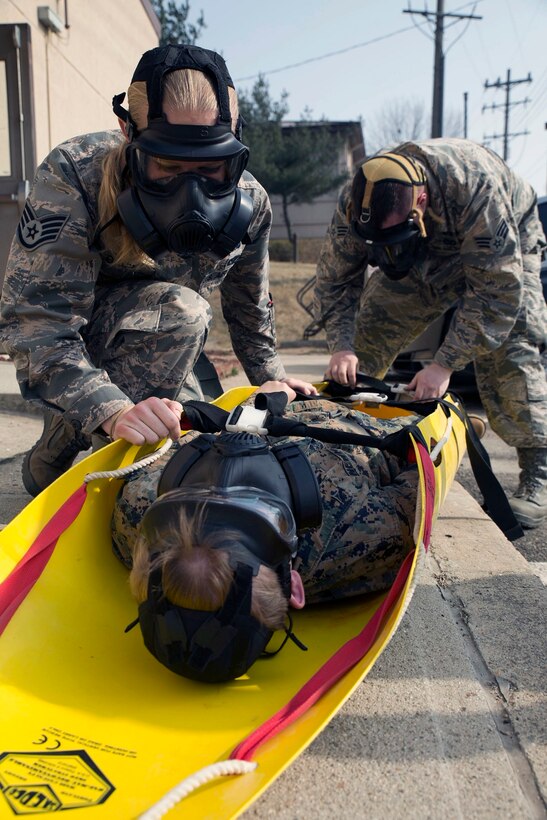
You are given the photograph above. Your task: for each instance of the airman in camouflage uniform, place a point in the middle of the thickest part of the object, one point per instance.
(483, 254)
(88, 338)
(85, 335)
(369, 505)
(92, 338)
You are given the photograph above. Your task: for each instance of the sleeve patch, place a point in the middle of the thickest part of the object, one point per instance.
(34, 231)
(342, 230)
(497, 242)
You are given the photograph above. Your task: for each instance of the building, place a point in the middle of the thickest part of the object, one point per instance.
(310, 220)
(60, 65)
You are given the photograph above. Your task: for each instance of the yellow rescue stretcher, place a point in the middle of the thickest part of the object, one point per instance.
(90, 720)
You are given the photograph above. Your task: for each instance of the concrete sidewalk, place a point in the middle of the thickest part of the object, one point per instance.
(451, 721)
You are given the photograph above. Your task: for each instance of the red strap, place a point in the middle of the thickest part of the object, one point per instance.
(17, 585)
(353, 650)
(344, 659)
(428, 497)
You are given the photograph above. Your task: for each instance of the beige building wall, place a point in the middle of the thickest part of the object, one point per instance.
(77, 72)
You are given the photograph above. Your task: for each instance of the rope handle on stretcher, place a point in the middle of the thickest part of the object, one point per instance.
(193, 782)
(122, 472)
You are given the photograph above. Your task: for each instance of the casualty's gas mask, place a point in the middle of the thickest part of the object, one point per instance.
(169, 204)
(262, 495)
(399, 248)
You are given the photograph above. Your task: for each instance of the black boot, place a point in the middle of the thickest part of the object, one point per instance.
(529, 503)
(53, 453)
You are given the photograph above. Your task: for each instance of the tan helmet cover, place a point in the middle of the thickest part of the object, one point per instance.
(393, 168)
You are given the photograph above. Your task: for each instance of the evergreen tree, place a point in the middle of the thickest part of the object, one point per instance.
(299, 162)
(173, 17)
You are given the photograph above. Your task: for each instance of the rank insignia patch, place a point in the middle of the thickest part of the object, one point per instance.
(34, 231)
(342, 230)
(494, 243)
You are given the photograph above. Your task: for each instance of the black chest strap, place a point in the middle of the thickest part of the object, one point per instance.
(209, 418)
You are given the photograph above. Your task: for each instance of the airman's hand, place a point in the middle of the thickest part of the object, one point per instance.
(343, 367)
(431, 382)
(301, 386)
(149, 421)
(274, 386)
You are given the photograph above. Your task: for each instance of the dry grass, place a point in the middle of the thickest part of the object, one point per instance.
(286, 279)
(281, 250)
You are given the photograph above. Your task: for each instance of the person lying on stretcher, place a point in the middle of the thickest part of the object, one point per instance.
(228, 531)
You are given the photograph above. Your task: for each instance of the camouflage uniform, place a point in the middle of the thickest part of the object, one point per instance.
(369, 505)
(484, 243)
(87, 336)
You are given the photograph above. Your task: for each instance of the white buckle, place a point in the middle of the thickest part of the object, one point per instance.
(400, 388)
(247, 420)
(374, 398)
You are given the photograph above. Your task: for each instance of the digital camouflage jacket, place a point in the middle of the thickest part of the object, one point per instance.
(58, 260)
(481, 221)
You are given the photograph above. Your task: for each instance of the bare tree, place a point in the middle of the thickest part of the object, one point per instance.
(403, 119)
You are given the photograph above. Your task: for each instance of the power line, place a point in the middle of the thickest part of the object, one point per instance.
(506, 105)
(324, 56)
(518, 44)
(539, 101)
(438, 72)
(460, 35)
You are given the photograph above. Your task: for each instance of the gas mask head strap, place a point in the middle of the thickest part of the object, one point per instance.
(200, 59)
(156, 63)
(392, 168)
(124, 115)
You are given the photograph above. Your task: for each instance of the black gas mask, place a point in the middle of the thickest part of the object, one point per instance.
(169, 204)
(399, 248)
(396, 250)
(263, 497)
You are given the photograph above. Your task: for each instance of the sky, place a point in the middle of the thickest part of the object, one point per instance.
(358, 56)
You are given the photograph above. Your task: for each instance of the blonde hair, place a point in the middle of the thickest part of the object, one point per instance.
(196, 574)
(186, 90)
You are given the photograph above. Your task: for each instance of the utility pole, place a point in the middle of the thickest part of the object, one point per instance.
(465, 114)
(438, 70)
(507, 105)
(438, 74)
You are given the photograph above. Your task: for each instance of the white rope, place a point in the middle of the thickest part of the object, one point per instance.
(131, 468)
(191, 783)
(440, 444)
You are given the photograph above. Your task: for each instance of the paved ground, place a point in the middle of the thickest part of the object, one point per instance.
(534, 544)
(451, 721)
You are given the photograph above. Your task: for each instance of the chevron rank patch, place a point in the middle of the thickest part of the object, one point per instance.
(34, 231)
(342, 230)
(494, 243)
